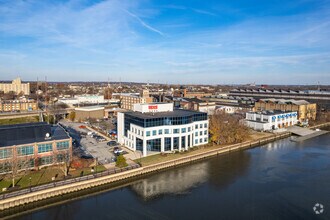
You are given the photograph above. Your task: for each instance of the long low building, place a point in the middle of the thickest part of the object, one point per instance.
(33, 145)
(270, 120)
(157, 127)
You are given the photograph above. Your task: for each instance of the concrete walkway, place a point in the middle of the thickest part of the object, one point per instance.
(300, 131)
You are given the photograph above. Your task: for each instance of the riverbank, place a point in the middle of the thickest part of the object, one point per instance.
(83, 185)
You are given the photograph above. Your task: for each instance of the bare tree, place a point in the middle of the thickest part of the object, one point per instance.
(62, 160)
(226, 129)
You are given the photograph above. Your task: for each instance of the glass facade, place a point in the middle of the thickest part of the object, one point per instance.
(6, 153)
(154, 145)
(167, 143)
(176, 143)
(139, 144)
(183, 142)
(25, 150)
(42, 148)
(160, 121)
(62, 145)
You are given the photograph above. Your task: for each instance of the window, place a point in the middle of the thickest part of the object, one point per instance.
(196, 141)
(183, 130)
(167, 143)
(200, 133)
(46, 160)
(25, 150)
(62, 145)
(196, 133)
(5, 167)
(45, 148)
(154, 132)
(176, 131)
(205, 125)
(200, 140)
(6, 153)
(62, 158)
(201, 126)
(160, 131)
(176, 143)
(205, 132)
(205, 139)
(148, 133)
(154, 144)
(196, 126)
(189, 129)
(167, 131)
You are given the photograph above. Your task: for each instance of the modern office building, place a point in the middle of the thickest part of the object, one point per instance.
(270, 120)
(157, 127)
(305, 109)
(33, 145)
(16, 86)
(18, 105)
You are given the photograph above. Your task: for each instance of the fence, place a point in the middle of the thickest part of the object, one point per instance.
(66, 182)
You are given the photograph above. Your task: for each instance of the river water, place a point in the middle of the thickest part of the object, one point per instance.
(280, 180)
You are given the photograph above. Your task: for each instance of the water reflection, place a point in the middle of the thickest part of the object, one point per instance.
(219, 172)
(177, 181)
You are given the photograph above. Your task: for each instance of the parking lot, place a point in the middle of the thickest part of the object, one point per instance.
(89, 144)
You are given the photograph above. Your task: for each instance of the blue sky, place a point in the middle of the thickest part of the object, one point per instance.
(209, 42)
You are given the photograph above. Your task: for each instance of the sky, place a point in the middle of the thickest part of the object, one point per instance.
(176, 42)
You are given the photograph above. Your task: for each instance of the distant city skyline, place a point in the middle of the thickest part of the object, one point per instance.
(189, 42)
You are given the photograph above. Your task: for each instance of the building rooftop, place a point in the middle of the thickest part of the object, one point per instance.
(286, 101)
(174, 113)
(271, 112)
(30, 133)
(90, 108)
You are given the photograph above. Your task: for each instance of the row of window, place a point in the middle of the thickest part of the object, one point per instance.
(175, 131)
(29, 150)
(200, 140)
(201, 133)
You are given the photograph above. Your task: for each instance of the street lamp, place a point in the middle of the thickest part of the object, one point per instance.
(30, 183)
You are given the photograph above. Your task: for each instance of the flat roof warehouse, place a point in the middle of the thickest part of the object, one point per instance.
(30, 133)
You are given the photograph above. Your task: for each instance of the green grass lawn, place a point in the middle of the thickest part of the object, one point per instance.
(19, 120)
(44, 176)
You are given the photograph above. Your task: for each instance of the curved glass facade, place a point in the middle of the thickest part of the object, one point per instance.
(163, 120)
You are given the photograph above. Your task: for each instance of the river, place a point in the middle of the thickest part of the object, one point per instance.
(280, 180)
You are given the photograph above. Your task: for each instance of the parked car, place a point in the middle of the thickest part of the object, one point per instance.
(112, 143)
(117, 150)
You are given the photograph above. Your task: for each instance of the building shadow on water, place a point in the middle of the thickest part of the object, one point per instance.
(218, 172)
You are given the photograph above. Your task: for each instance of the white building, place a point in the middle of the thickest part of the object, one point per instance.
(156, 127)
(270, 120)
(85, 99)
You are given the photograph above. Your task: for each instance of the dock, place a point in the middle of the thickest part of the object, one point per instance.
(304, 133)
